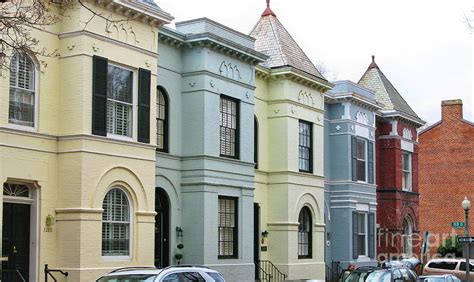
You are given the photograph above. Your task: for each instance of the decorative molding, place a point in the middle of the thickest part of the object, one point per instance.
(230, 70)
(362, 117)
(192, 84)
(407, 134)
(306, 98)
(338, 127)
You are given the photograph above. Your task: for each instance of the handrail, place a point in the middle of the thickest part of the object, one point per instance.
(268, 277)
(275, 273)
(47, 271)
(15, 271)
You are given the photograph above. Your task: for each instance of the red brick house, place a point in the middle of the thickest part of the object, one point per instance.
(446, 172)
(396, 168)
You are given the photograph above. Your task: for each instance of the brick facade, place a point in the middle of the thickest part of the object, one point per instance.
(394, 204)
(446, 171)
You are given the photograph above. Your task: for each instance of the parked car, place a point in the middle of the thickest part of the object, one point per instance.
(185, 273)
(439, 278)
(378, 274)
(455, 267)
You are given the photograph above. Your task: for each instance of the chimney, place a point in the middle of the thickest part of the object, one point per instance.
(451, 110)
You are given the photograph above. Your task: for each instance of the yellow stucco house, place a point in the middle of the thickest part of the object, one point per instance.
(81, 175)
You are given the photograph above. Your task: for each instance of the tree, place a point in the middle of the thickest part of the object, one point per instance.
(17, 19)
(451, 247)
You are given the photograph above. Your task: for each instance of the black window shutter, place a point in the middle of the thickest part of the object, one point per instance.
(99, 96)
(355, 248)
(144, 80)
(371, 235)
(354, 158)
(371, 162)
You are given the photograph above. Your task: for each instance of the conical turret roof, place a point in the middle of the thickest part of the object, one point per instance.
(385, 92)
(275, 41)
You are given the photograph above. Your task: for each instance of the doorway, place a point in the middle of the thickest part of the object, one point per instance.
(256, 239)
(16, 242)
(162, 228)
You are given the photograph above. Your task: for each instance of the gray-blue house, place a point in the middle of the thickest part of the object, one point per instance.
(349, 164)
(205, 159)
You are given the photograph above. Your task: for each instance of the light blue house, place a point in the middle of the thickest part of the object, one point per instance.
(205, 158)
(349, 165)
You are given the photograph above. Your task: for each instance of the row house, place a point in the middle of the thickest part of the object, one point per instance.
(78, 143)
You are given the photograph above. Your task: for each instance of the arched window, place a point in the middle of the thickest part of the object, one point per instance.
(116, 224)
(22, 91)
(255, 141)
(305, 232)
(162, 120)
(407, 236)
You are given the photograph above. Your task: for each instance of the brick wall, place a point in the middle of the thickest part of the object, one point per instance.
(446, 172)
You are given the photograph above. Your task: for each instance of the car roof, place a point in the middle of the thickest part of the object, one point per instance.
(139, 270)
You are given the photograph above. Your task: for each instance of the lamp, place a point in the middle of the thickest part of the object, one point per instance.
(466, 205)
(179, 231)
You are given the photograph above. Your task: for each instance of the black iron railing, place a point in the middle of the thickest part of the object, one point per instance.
(48, 272)
(334, 271)
(269, 272)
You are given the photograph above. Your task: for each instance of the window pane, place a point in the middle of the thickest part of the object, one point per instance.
(161, 122)
(304, 149)
(115, 224)
(227, 220)
(304, 233)
(22, 95)
(119, 101)
(228, 127)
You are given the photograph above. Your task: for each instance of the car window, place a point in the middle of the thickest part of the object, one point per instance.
(184, 277)
(129, 278)
(216, 276)
(372, 276)
(397, 275)
(406, 275)
(462, 267)
(449, 265)
(432, 279)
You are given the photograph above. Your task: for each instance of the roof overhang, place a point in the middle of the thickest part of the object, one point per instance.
(401, 116)
(296, 75)
(353, 98)
(212, 41)
(137, 11)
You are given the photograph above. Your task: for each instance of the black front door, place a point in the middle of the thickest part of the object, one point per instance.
(161, 228)
(16, 242)
(256, 239)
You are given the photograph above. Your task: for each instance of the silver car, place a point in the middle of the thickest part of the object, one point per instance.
(169, 274)
(439, 278)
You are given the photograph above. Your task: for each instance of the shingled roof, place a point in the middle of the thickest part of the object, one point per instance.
(385, 92)
(275, 41)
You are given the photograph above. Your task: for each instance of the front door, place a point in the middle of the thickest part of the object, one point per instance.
(256, 239)
(16, 242)
(161, 228)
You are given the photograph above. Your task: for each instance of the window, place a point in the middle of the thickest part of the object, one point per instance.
(407, 236)
(119, 101)
(406, 170)
(305, 147)
(184, 277)
(22, 91)
(449, 265)
(229, 127)
(305, 232)
(162, 121)
(227, 244)
(361, 234)
(116, 224)
(255, 141)
(361, 160)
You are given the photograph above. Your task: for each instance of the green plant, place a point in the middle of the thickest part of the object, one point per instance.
(178, 256)
(450, 246)
(180, 246)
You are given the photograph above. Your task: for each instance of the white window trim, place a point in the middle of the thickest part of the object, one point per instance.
(410, 171)
(366, 160)
(33, 128)
(366, 227)
(131, 237)
(134, 121)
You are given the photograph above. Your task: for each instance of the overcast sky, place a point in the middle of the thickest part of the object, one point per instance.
(424, 47)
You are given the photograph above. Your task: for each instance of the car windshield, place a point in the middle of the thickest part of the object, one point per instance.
(375, 276)
(129, 278)
(216, 276)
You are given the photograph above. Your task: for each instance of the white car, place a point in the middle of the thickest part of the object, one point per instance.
(183, 273)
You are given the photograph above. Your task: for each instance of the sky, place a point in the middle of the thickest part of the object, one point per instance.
(424, 47)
